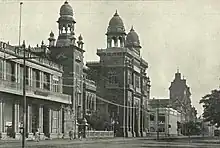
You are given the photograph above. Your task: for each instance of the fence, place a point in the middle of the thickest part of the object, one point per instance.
(99, 134)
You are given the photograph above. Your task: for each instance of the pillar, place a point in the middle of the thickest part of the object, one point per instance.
(16, 71)
(40, 118)
(4, 70)
(1, 116)
(41, 79)
(50, 121)
(60, 117)
(16, 118)
(51, 83)
(30, 76)
(29, 119)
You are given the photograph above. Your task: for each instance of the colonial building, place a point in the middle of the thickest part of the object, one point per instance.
(180, 97)
(121, 78)
(69, 53)
(58, 91)
(45, 98)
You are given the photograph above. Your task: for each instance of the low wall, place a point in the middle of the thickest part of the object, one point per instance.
(99, 134)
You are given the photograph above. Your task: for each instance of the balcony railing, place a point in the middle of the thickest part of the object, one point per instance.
(17, 88)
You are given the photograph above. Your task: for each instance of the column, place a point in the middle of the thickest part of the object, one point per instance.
(29, 119)
(60, 120)
(50, 121)
(40, 118)
(30, 76)
(16, 122)
(51, 82)
(4, 69)
(41, 79)
(16, 71)
(1, 116)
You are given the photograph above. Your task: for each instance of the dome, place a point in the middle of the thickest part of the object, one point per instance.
(116, 24)
(132, 38)
(66, 9)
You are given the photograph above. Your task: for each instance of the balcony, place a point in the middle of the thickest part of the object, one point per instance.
(17, 89)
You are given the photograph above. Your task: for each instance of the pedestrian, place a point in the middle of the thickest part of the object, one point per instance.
(37, 135)
(71, 134)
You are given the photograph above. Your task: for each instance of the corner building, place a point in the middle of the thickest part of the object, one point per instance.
(121, 79)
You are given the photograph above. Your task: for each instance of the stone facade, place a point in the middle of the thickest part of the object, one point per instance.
(45, 99)
(121, 78)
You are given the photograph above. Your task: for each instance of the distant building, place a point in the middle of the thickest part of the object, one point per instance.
(164, 120)
(121, 78)
(180, 97)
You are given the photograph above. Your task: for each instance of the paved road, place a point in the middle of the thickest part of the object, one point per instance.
(111, 143)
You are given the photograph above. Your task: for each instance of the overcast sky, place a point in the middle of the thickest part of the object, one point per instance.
(178, 33)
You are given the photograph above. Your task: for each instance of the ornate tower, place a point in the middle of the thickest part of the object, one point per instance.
(132, 41)
(66, 26)
(116, 32)
(51, 40)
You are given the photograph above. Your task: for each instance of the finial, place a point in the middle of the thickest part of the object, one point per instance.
(66, 2)
(23, 44)
(132, 28)
(116, 13)
(42, 43)
(37, 45)
(80, 37)
(177, 69)
(51, 34)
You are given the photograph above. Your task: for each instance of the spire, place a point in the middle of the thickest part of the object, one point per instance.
(178, 70)
(132, 28)
(116, 13)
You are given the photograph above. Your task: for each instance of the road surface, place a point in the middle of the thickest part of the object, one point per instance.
(110, 143)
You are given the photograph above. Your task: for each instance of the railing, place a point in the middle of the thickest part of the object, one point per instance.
(13, 50)
(99, 134)
(17, 88)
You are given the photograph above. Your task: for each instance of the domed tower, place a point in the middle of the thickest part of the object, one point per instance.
(132, 41)
(51, 39)
(116, 32)
(66, 26)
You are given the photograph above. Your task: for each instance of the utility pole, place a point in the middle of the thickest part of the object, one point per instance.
(24, 95)
(124, 122)
(158, 109)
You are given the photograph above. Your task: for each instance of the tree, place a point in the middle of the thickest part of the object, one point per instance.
(211, 105)
(99, 120)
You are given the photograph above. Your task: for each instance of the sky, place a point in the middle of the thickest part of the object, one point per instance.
(182, 34)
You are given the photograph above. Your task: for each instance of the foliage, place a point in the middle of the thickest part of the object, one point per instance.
(99, 120)
(190, 128)
(211, 105)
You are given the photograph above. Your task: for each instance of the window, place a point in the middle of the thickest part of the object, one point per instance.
(46, 81)
(77, 69)
(151, 117)
(36, 78)
(10, 71)
(112, 78)
(129, 77)
(137, 81)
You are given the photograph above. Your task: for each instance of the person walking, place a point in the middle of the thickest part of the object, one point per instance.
(71, 134)
(37, 135)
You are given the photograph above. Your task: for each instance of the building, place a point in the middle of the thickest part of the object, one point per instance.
(121, 78)
(45, 99)
(59, 93)
(180, 97)
(68, 52)
(165, 121)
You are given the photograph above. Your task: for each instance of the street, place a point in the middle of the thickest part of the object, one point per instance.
(111, 143)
